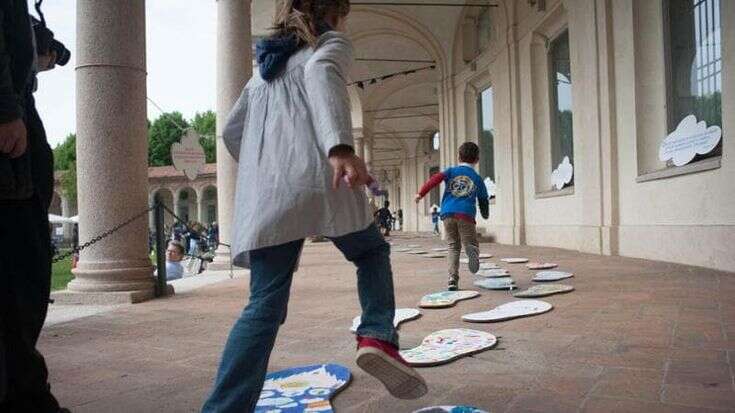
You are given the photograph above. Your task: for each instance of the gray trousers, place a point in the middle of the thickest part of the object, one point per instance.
(459, 233)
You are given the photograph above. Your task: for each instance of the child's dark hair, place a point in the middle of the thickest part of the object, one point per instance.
(469, 152)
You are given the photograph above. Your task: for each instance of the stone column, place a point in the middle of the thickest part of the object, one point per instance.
(234, 69)
(66, 212)
(113, 144)
(201, 207)
(368, 153)
(359, 139)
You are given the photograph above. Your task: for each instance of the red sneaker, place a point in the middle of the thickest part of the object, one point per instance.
(381, 360)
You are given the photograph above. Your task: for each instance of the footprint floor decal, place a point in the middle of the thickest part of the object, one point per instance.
(446, 298)
(544, 290)
(541, 265)
(450, 409)
(515, 260)
(546, 276)
(505, 283)
(402, 315)
(493, 273)
(303, 389)
(509, 311)
(447, 345)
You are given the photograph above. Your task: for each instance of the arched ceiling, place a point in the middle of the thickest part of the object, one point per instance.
(418, 33)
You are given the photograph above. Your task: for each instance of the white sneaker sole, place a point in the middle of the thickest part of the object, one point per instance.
(473, 256)
(402, 381)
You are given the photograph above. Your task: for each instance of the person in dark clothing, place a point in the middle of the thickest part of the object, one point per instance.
(385, 218)
(26, 185)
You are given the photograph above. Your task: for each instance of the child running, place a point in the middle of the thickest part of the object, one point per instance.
(291, 133)
(464, 188)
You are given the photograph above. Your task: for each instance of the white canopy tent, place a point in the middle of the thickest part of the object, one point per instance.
(57, 219)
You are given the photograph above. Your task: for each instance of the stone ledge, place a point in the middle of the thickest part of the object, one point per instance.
(554, 193)
(104, 298)
(692, 168)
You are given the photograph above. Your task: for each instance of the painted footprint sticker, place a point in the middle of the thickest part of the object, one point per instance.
(446, 298)
(488, 266)
(447, 345)
(509, 311)
(515, 260)
(450, 409)
(544, 290)
(546, 276)
(505, 283)
(402, 315)
(494, 273)
(302, 389)
(541, 265)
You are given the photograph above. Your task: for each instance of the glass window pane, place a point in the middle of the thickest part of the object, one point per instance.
(562, 132)
(486, 136)
(695, 61)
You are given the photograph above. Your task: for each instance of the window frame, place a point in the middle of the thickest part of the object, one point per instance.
(668, 64)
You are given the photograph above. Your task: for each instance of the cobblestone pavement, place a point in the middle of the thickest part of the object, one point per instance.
(635, 336)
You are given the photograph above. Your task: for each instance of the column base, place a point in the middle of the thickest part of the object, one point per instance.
(100, 298)
(222, 260)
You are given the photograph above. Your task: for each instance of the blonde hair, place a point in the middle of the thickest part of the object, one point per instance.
(302, 18)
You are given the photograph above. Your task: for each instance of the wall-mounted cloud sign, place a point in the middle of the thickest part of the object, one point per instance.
(188, 155)
(563, 174)
(689, 139)
(490, 185)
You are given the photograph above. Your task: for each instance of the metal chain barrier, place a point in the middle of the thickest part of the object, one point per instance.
(103, 235)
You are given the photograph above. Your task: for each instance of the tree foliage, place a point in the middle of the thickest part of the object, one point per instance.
(69, 182)
(164, 132)
(205, 124)
(65, 153)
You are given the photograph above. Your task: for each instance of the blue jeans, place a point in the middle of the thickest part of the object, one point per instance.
(245, 359)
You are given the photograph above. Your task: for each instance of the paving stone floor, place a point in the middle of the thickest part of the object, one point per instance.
(635, 336)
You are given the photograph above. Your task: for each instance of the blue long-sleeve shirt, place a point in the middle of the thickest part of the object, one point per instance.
(464, 189)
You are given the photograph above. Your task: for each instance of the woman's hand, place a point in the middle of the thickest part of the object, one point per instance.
(348, 167)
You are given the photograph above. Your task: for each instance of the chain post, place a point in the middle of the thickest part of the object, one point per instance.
(160, 249)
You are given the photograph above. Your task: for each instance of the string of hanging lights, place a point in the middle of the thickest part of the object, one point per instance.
(365, 82)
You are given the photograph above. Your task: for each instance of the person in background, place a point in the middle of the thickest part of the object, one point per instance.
(463, 190)
(194, 236)
(174, 256)
(384, 218)
(26, 188)
(213, 236)
(435, 219)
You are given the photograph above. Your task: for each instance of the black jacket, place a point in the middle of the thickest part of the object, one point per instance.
(32, 172)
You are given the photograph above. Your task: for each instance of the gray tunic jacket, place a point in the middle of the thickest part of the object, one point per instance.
(280, 132)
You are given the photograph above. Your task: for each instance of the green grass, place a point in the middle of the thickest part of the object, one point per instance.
(61, 274)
